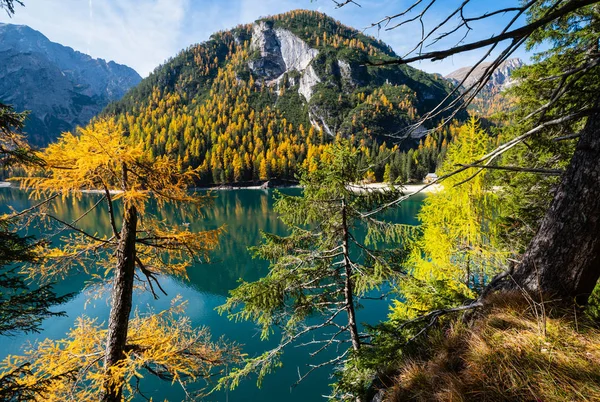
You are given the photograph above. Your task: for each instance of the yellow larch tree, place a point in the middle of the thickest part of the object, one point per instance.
(459, 247)
(100, 363)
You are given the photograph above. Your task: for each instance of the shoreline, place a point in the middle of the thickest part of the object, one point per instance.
(407, 188)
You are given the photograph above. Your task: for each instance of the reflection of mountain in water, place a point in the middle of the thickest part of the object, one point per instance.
(244, 213)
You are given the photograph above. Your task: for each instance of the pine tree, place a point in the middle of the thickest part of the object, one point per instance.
(22, 309)
(323, 267)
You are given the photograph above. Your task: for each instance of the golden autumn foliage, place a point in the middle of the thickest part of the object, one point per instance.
(206, 109)
(101, 158)
(459, 245)
(96, 159)
(164, 344)
(224, 136)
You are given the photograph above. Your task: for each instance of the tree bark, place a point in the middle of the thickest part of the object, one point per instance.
(563, 258)
(122, 295)
(348, 292)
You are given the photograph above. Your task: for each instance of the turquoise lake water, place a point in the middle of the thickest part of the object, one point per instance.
(245, 213)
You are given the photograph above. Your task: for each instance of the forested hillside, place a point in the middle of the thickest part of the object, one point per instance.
(261, 100)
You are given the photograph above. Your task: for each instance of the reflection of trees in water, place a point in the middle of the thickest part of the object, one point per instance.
(244, 213)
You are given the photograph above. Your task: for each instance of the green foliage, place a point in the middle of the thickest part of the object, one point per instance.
(14, 150)
(470, 229)
(322, 259)
(565, 69)
(452, 255)
(22, 309)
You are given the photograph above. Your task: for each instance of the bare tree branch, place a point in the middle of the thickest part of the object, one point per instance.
(551, 172)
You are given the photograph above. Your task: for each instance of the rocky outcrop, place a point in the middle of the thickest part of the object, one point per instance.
(270, 65)
(345, 70)
(61, 87)
(319, 122)
(280, 52)
(295, 52)
(307, 82)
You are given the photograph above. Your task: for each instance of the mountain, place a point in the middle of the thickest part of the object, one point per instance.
(490, 99)
(263, 99)
(60, 86)
(499, 80)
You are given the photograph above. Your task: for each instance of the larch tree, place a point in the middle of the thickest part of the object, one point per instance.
(330, 261)
(457, 248)
(560, 89)
(95, 362)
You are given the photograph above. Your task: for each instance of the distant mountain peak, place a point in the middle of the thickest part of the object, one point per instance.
(61, 87)
(490, 99)
(500, 79)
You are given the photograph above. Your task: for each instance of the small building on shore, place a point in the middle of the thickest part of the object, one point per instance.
(430, 178)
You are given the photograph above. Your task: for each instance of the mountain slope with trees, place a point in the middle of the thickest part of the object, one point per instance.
(261, 100)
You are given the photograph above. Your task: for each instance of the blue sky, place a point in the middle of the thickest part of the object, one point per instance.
(143, 33)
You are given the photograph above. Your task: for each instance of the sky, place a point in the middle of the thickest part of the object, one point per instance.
(144, 33)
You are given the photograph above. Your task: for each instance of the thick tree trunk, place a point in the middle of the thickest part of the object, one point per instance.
(122, 294)
(563, 259)
(348, 292)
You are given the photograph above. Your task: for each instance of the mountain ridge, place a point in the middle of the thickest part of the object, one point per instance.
(499, 80)
(61, 87)
(491, 99)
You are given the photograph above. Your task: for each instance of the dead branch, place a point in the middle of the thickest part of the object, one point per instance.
(550, 172)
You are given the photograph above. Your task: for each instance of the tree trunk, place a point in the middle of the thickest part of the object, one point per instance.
(348, 292)
(563, 258)
(122, 294)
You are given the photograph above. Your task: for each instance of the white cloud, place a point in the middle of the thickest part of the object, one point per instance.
(139, 33)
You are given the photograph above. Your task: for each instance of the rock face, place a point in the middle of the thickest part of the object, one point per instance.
(499, 80)
(307, 82)
(280, 52)
(61, 87)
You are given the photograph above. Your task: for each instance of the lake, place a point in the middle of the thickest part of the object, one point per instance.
(245, 213)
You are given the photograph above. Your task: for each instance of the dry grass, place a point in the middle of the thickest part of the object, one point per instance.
(504, 356)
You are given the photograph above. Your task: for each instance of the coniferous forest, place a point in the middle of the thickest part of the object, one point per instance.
(440, 240)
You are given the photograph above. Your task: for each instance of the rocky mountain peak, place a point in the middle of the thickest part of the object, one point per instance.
(500, 79)
(60, 86)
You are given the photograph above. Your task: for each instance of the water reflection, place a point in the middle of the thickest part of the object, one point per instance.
(244, 213)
